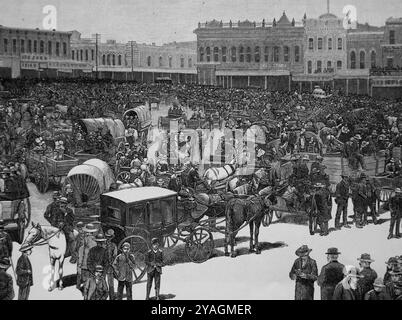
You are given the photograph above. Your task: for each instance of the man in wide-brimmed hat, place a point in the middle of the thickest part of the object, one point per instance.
(6, 281)
(24, 273)
(97, 256)
(395, 275)
(392, 263)
(123, 268)
(95, 288)
(111, 252)
(347, 288)
(154, 263)
(304, 272)
(365, 284)
(83, 272)
(331, 274)
(395, 206)
(379, 292)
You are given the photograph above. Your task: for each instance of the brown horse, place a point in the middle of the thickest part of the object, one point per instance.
(250, 211)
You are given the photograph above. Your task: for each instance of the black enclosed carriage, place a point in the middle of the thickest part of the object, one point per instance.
(140, 214)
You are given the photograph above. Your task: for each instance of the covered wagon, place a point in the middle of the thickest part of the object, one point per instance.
(143, 119)
(89, 180)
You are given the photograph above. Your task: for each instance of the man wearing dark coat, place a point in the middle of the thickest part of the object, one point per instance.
(24, 273)
(95, 288)
(97, 256)
(331, 274)
(154, 263)
(6, 281)
(341, 199)
(304, 272)
(379, 292)
(347, 288)
(366, 282)
(395, 206)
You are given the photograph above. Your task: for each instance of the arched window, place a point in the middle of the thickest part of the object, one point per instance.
(310, 67)
(81, 54)
(72, 54)
(362, 60)
(257, 54)
(201, 57)
(149, 61)
(353, 60)
(275, 56)
(224, 54)
(113, 60)
(241, 53)
(103, 60)
(42, 46)
(109, 59)
(330, 44)
(208, 50)
(64, 48)
(248, 56)
(297, 54)
(216, 54)
(340, 44)
(86, 55)
(233, 54)
(181, 62)
(266, 54)
(35, 46)
(119, 60)
(286, 53)
(160, 62)
(49, 48)
(170, 59)
(373, 59)
(190, 62)
(311, 44)
(319, 66)
(319, 43)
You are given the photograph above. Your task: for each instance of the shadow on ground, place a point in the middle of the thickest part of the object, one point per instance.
(177, 254)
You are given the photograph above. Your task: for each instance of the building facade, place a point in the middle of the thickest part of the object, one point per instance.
(247, 53)
(24, 52)
(392, 43)
(325, 45)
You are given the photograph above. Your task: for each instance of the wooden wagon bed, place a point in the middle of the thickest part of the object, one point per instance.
(336, 165)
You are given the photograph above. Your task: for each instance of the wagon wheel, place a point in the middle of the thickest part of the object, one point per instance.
(171, 240)
(268, 218)
(124, 177)
(41, 177)
(139, 249)
(199, 245)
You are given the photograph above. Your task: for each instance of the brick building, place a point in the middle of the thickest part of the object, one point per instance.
(245, 53)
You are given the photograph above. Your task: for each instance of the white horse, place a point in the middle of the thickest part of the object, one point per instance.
(56, 240)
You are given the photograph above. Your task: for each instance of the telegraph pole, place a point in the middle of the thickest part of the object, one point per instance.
(96, 55)
(132, 61)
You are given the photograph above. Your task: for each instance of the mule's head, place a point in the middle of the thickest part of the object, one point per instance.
(34, 234)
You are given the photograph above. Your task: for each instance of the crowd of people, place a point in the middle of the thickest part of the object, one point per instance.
(340, 282)
(354, 126)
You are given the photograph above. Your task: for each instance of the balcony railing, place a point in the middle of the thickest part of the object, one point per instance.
(239, 24)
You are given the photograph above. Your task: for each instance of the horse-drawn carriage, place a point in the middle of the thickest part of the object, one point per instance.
(141, 118)
(114, 126)
(44, 169)
(138, 215)
(176, 115)
(15, 211)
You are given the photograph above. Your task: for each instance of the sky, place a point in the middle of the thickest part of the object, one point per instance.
(163, 21)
